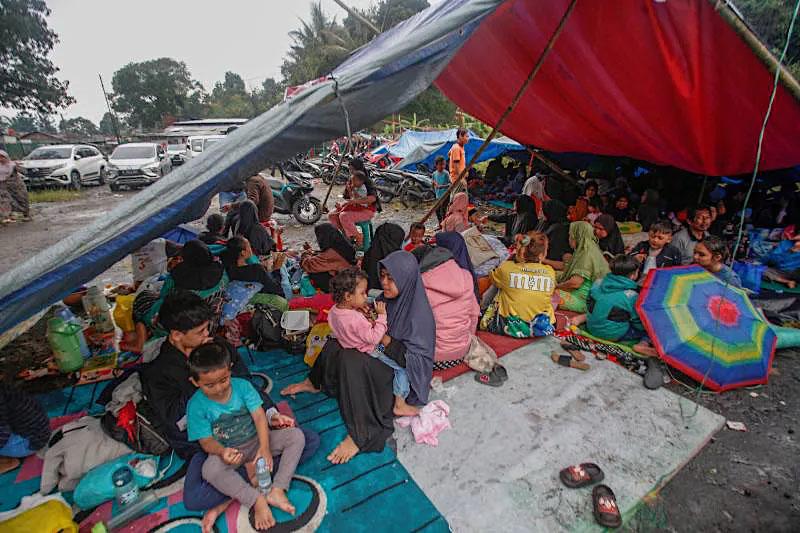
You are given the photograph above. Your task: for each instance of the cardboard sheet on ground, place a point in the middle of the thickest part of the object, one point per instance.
(498, 465)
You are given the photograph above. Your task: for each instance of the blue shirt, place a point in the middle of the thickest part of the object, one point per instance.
(230, 423)
(441, 182)
(727, 275)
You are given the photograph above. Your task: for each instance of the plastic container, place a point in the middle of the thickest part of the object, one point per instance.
(295, 322)
(64, 339)
(64, 313)
(263, 476)
(134, 510)
(125, 488)
(96, 306)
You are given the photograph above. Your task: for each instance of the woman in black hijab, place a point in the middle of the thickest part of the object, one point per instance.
(650, 211)
(388, 238)
(522, 220)
(608, 235)
(334, 255)
(248, 226)
(198, 271)
(557, 230)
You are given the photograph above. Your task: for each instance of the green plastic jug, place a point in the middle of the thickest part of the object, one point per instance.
(65, 343)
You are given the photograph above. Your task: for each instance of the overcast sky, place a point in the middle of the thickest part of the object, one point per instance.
(249, 37)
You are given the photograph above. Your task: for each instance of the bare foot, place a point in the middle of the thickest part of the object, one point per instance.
(212, 514)
(645, 348)
(303, 386)
(401, 408)
(263, 516)
(578, 320)
(345, 451)
(277, 498)
(791, 284)
(7, 464)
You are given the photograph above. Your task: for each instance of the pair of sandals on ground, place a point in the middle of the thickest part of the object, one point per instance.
(604, 503)
(653, 375)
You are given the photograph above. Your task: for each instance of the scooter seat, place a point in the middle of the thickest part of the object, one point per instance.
(275, 183)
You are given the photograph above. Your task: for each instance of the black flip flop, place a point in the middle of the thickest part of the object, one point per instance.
(488, 378)
(500, 371)
(604, 503)
(582, 475)
(653, 376)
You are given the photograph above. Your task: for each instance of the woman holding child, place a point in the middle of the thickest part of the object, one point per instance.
(362, 203)
(363, 383)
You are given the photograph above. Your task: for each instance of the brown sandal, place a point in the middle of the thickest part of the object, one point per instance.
(577, 476)
(569, 361)
(606, 511)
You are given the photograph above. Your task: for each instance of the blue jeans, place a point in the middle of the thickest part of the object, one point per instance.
(200, 495)
(400, 385)
(16, 446)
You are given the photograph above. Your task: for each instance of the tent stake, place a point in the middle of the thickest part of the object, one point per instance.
(550, 43)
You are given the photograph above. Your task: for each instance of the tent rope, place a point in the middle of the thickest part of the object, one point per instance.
(338, 166)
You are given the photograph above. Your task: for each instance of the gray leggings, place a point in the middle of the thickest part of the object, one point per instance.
(288, 443)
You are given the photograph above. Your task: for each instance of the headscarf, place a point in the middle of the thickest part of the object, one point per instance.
(555, 212)
(457, 218)
(198, 271)
(587, 261)
(247, 225)
(329, 237)
(458, 247)
(612, 243)
(388, 238)
(7, 168)
(525, 220)
(411, 322)
(430, 257)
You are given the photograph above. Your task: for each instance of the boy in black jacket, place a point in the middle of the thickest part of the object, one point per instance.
(656, 251)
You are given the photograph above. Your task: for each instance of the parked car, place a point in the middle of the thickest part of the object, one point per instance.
(197, 144)
(177, 154)
(137, 165)
(64, 165)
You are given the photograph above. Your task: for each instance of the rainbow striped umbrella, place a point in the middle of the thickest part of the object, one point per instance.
(705, 329)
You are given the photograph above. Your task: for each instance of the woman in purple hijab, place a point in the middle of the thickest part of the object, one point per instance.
(362, 385)
(454, 242)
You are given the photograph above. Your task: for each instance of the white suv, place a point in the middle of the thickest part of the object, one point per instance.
(68, 165)
(137, 165)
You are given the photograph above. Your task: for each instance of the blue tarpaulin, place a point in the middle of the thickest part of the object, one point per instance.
(425, 146)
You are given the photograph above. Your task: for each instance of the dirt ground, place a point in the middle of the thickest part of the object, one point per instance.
(741, 481)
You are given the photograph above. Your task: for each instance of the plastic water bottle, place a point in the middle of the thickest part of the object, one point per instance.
(263, 476)
(132, 511)
(63, 312)
(125, 488)
(64, 339)
(96, 306)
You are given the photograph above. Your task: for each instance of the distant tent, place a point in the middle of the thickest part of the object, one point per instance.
(668, 82)
(424, 146)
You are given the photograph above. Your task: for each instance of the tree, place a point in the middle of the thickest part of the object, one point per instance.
(79, 127)
(107, 124)
(23, 122)
(770, 20)
(229, 98)
(27, 77)
(150, 90)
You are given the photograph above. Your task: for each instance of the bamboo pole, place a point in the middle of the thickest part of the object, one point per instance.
(755, 44)
(335, 173)
(358, 16)
(552, 166)
(550, 43)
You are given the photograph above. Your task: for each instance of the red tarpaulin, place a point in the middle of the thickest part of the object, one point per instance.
(667, 82)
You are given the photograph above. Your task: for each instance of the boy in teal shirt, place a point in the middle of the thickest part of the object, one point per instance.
(226, 417)
(441, 182)
(612, 303)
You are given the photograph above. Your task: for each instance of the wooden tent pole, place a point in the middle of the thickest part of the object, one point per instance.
(755, 44)
(552, 166)
(550, 43)
(335, 173)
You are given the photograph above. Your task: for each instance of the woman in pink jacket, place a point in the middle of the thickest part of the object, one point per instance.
(451, 293)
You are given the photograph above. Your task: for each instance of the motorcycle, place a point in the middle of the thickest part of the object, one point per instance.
(293, 196)
(388, 183)
(416, 189)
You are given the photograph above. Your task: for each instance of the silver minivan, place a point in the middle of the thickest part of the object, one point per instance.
(136, 165)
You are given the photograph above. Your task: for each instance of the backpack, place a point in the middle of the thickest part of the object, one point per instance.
(148, 436)
(266, 327)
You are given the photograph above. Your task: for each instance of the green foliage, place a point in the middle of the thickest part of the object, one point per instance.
(79, 126)
(53, 195)
(27, 77)
(770, 20)
(107, 124)
(150, 91)
(433, 106)
(27, 122)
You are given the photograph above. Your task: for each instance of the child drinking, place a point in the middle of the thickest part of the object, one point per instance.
(525, 290)
(711, 253)
(353, 329)
(416, 236)
(656, 251)
(225, 416)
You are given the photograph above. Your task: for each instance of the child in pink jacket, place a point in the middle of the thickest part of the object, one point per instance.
(353, 329)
